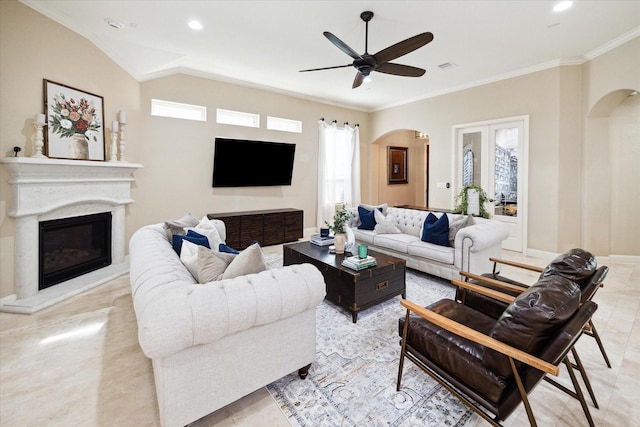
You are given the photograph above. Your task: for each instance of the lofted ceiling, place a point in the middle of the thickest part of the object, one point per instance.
(265, 43)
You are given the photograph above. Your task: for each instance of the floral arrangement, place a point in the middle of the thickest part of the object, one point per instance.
(70, 116)
(340, 218)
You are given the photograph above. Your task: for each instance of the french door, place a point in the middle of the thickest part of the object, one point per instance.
(494, 156)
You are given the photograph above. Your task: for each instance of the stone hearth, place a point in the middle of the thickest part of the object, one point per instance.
(46, 189)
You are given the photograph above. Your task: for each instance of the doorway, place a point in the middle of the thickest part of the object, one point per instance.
(494, 156)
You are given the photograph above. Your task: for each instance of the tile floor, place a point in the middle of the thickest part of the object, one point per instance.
(79, 363)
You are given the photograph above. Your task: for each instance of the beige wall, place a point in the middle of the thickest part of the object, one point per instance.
(177, 155)
(570, 178)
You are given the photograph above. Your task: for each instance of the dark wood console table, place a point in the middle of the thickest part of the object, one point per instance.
(268, 227)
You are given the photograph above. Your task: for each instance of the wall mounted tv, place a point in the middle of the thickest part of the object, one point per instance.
(247, 163)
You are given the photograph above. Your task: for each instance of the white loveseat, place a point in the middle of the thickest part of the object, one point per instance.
(212, 343)
(473, 245)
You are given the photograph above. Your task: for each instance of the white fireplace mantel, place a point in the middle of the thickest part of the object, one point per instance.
(46, 189)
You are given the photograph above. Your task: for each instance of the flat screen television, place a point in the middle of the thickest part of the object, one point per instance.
(247, 163)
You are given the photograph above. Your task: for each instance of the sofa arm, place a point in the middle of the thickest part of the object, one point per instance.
(178, 315)
(484, 234)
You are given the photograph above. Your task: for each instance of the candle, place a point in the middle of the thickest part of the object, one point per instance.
(39, 118)
(114, 126)
(123, 116)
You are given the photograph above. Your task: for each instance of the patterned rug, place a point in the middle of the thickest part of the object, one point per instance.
(353, 379)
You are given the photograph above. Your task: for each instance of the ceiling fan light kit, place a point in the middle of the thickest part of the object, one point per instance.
(366, 63)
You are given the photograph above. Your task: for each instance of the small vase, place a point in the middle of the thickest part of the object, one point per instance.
(339, 241)
(78, 147)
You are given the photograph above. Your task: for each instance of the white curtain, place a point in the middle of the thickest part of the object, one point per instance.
(338, 168)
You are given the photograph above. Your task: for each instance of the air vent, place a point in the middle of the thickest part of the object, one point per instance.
(447, 65)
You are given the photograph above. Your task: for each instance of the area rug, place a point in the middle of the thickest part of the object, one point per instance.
(353, 379)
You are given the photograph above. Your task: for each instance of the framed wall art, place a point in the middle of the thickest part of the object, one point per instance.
(397, 169)
(75, 120)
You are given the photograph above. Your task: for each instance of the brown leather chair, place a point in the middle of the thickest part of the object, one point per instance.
(492, 364)
(577, 265)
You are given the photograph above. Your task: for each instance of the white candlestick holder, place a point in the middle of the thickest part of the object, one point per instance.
(38, 140)
(114, 147)
(121, 154)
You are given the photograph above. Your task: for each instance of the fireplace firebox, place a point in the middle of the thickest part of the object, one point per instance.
(71, 247)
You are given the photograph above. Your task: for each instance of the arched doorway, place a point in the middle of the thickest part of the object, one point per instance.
(611, 172)
(415, 190)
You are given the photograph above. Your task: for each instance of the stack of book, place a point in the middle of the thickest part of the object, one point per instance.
(357, 263)
(317, 239)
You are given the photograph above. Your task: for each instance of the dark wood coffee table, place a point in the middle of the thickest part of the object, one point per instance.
(351, 289)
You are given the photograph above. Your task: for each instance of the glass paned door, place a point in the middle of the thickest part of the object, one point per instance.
(493, 156)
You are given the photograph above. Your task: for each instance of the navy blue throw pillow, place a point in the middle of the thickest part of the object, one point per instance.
(436, 230)
(367, 219)
(224, 248)
(192, 237)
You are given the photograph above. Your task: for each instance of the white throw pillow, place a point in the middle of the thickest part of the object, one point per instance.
(189, 257)
(385, 225)
(208, 229)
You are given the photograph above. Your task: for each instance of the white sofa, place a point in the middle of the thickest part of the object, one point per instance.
(473, 246)
(211, 344)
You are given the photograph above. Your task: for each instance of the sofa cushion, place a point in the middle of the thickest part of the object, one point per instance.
(456, 225)
(207, 228)
(367, 219)
(430, 251)
(189, 257)
(436, 230)
(211, 264)
(224, 248)
(396, 242)
(249, 261)
(191, 236)
(178, 226)
(364, 236)
(532, 318)
(382, 208)
(385, 224)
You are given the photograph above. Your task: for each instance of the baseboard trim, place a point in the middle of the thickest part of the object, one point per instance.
(536, 253)
(624, 259)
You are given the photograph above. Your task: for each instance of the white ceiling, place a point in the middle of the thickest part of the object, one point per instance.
(265, 43)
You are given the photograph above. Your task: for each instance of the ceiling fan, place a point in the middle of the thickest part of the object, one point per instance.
(367, 63)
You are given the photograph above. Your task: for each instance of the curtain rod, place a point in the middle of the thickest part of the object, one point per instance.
(345, 123)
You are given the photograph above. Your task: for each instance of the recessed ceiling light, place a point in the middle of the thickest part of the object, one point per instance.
(562, 5)
(195, 25)
(114, 24)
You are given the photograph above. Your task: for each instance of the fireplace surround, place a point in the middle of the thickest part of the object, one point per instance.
(51, 189)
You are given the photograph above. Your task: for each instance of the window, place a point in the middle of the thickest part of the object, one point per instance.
(237, 118)
(177, 110)
(285, 125)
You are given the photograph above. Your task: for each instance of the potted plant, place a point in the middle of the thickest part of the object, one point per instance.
(340, 218)
(462, 200)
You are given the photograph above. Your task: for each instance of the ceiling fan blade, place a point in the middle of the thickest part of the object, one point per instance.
(358, 80)
(341, 45)
(400, 70)
(326, 68)
(403, 47)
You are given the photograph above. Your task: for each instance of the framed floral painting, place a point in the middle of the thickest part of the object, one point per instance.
(75, 122)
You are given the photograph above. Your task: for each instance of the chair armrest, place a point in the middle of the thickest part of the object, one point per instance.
(517, 264)
(491, 293)
(480, 338)
(493, 282)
